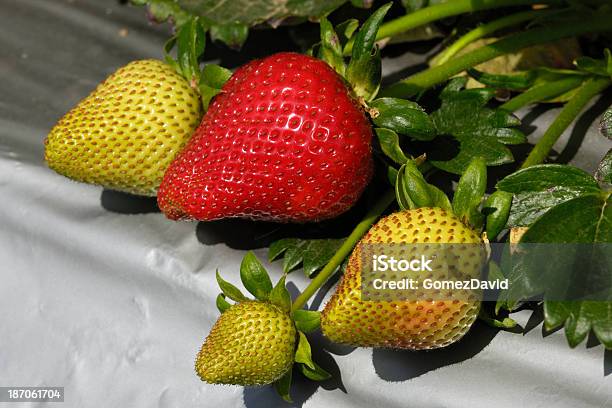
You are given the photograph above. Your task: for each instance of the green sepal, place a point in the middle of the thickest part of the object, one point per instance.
(222, 304)
(392, 175)
(230, 290)
(283, 385)
(506, 323)
(190, 43)
(212, 79)
(346, 30)
(411, 189)
(307, 320)
(330, 49)
(497, 209)
(364, 69)
(439, 198)
(254, 277)
(303, 353)
(303, 356)
(316, 374)
(389, 143)
(401, 192)
(470, 192)
(603, 174)
(168, 46)
(232, 34)
(404, 117)
(280, 296)
(514, 82)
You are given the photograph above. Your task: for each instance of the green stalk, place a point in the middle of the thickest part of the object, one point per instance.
(433, 76)
(569, 112)
(439, 11)
(543, 92)
(344, 250)
(483, 31)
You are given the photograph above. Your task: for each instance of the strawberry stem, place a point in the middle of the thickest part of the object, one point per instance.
(426, 79)
(482, 31)
(569, 112)
(439, 11)
(346, 248)
(543, 92)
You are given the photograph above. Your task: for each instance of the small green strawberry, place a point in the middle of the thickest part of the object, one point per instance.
(256, 342)
(252, 343)
(124, 135)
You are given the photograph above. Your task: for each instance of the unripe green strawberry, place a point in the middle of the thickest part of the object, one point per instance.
(251, 343)
(405, 324)
(124, 135)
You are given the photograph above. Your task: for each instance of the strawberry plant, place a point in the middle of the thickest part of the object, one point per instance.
(303, 137)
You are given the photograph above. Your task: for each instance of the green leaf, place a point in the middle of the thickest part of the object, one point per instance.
(249, 12)
(546, 176)
(389, 143)
(404, 117)
(538, 188)
(232, 34)
(480, 131)
(312, 254)
(497, 209)
(469, 193)
(588, 220)
(330, 49)
(280, 296)
(283, 386)
(364, 69)
(307, 320)
(316, 374)
(603, 174)
(254, 277)
(515, 82)
(222, 304)
(230, 290)
(303, 354)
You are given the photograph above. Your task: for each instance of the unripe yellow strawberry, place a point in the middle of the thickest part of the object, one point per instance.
(405, 324)
(124, 135)
(252, 343)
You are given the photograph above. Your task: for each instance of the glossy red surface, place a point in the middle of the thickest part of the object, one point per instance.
(284, 141)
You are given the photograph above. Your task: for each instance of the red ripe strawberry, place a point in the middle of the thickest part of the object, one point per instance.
(284, 140)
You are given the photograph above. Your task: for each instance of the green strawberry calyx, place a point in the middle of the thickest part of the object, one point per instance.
(190, 43)
(256, 280)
